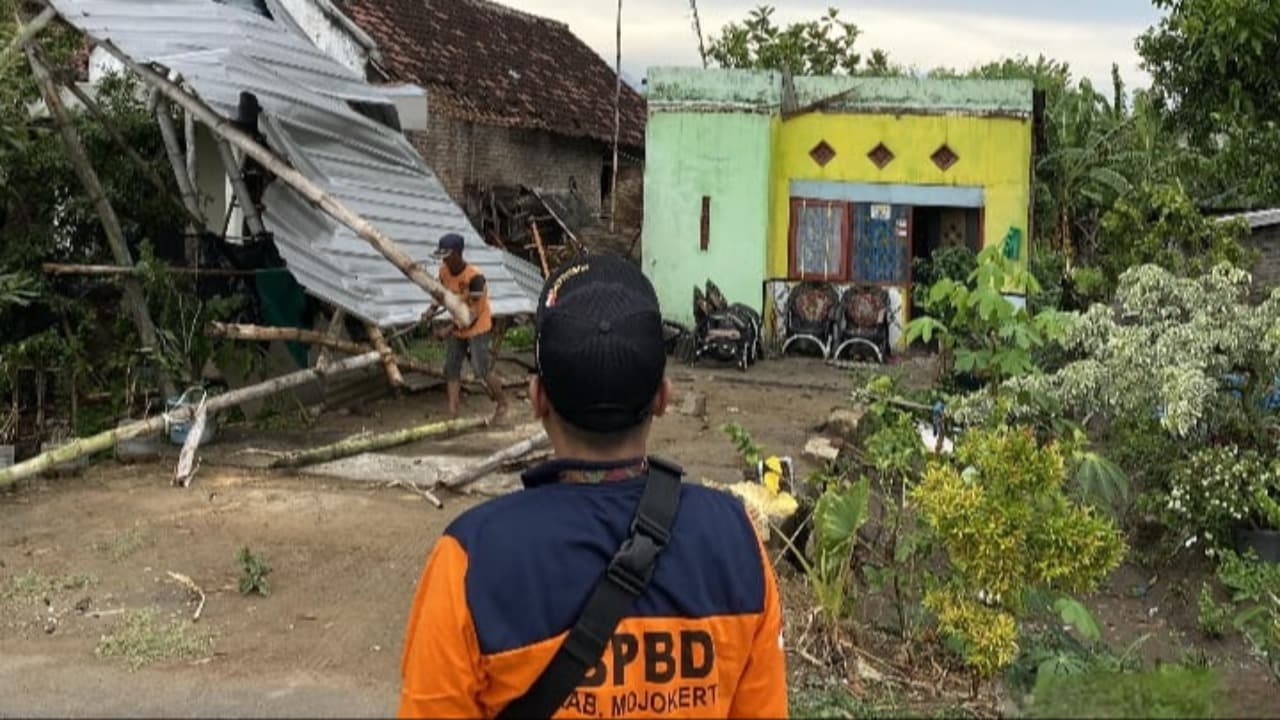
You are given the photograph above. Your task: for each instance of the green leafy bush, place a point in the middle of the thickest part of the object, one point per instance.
(254, 571)
(1008, 528)
(1160, 225)
(1169, 691)
(987, 337)
(1219, 489)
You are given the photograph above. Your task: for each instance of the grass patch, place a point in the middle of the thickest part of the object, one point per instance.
(142, 638)
(427, 350)
(834, 701)
(519, 338)
(32, 585)
(124, 545)
(1166, 692)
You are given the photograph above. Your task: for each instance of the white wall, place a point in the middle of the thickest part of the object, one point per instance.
(330, 36)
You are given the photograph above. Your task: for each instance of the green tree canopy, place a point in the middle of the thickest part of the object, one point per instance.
(825, 46)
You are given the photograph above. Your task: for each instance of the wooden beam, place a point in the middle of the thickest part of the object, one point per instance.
(235, 172)
(73, 269)
(147, 169)
(336, 321)
(496, 460)
(27, 32)
(302, 184)
(169, 131)
(542, 251)
(84, 447)
(388, 358)
(79, 159)
(381, 441)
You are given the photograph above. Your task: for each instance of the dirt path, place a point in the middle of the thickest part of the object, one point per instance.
(345, 558)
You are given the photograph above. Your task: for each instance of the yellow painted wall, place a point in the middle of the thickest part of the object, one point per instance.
(995, 153)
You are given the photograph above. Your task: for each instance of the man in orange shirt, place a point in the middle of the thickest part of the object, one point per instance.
(607, 587)
(466, 281)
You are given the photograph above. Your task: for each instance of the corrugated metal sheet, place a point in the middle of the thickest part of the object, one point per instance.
(221, 51)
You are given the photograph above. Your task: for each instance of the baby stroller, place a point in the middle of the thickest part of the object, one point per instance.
(729, 333)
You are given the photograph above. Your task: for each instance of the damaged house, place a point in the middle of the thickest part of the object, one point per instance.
(513, 101)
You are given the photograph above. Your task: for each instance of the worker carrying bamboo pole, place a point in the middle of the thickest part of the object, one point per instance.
(466, 281)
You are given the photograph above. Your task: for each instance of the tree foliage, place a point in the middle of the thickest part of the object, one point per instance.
(825, 46)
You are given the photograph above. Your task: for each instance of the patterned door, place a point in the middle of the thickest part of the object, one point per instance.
(882, 244)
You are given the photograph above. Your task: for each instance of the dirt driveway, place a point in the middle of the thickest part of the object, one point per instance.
(77, 553)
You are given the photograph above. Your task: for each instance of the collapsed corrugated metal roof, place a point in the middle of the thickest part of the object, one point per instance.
(220, 51)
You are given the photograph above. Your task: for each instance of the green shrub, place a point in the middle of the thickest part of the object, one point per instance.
(1008, 528)
(254, 571)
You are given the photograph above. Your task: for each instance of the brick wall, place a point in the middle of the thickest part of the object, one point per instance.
(463, 152)
(1266, 274)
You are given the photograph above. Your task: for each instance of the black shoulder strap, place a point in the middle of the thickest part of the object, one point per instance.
(625, 579)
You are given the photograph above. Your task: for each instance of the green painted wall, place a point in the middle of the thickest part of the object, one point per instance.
(724, 156)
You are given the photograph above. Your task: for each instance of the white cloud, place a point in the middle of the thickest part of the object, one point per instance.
(659, 32)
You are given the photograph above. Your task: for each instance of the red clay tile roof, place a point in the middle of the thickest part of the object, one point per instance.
(490, 64)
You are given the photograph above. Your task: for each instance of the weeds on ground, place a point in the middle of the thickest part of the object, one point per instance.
(254, 571)
(1166, 692)
(142, 638)
(519, 338)
(124, 545)
(836, 701)
(427, 350)
(32, 585)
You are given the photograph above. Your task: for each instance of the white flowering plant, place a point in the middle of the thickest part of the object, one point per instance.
(1219, 489)
(1192, 352)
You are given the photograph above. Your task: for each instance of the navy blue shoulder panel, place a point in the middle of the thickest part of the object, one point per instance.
(534, 557)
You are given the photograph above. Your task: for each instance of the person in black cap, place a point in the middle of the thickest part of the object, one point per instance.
(465, 280)
(607, 587)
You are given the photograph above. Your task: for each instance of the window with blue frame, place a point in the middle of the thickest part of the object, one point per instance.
(881, 244)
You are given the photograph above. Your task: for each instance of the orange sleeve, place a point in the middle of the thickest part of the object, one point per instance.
(762, 691)
(441, 674)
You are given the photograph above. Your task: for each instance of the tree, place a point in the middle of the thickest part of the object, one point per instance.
(1212, 59)
(817, 47)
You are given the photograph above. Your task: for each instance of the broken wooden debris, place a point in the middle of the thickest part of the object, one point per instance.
(388, 359)
(235, 173)
(79, 159)
(186, 186)
(286, 173)
(495, 461)
(190, 585)
(382, 441)
(84, 447)
(187, 458)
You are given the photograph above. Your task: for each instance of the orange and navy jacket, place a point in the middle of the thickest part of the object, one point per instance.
(509, 578)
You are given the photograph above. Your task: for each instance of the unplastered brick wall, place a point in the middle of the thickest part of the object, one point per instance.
(462, 152)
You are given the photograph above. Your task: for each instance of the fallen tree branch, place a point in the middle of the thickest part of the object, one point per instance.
(190, 584)
(369, 443)
(286, 173)
(426, 494)
(496, 460)
(82, 447)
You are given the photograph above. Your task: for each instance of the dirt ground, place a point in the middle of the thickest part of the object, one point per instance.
(76, 553)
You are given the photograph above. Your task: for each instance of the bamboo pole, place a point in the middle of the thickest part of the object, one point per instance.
(26, 33)
(92, 270)
(617, 128)
(79, 159)
(382, 441)
(495, 461)
(235, 172)
(177, 164)
(542, 250)
(83, 447)
(310, 337)
(147, 170)
(223, 128)
(388, 358)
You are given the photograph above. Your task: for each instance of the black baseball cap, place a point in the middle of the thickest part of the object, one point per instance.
(599, 344)
(449, 243)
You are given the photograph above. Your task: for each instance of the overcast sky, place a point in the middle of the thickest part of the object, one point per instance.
(1089, 34)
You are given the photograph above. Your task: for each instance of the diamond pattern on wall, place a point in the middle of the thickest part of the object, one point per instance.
(881, 155)
(944, 157)
(822, 153)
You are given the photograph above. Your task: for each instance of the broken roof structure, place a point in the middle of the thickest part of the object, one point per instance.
(482, 62)
(220, 50)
